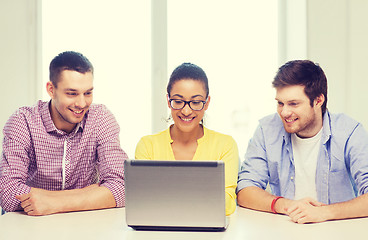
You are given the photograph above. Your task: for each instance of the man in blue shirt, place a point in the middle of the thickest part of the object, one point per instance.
(315, 162)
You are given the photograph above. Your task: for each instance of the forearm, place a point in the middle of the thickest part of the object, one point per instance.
(88, 198)
(357, 207)
(43, 202)
(255, 198)
(259, 199)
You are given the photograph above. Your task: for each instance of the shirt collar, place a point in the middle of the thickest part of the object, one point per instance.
(326, 132)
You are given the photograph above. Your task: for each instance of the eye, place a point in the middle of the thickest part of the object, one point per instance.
(71, 93)
(178, 101)
(196, 103)
(293, 104)
(88, 93)
(280, 104)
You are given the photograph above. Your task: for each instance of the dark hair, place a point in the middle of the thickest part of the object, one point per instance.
(305, 73)
(188, 71)
(68, 60)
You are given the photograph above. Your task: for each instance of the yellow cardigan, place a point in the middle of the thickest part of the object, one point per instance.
(212, 146)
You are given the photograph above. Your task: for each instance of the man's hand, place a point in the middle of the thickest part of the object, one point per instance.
(39, 202)
(306, 210)
(43, 202)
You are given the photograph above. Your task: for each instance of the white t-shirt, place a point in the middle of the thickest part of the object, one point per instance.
(305, 151)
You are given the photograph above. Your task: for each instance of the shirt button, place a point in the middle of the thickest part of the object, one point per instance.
(292, 178)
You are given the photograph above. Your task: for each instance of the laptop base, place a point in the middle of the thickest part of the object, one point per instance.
(180, 229)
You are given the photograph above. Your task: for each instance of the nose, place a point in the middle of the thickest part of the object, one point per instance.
(186, 110)
(285, 112)
(81, 101)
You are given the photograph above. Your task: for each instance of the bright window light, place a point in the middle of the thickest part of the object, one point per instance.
(115, 36)
(234, 41)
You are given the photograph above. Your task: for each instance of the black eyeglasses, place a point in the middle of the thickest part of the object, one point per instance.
(195, 105)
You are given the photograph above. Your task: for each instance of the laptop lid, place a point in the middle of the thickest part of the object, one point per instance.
(188, 195)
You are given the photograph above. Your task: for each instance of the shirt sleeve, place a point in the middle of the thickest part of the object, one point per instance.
(254, 169)
(111, 157)
(14, 163)
(357, 155)
(231, 161)
(143, 150)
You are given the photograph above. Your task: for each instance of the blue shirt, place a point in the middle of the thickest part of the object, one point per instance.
(342, 165)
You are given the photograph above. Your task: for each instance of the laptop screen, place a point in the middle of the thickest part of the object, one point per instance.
(175, 194)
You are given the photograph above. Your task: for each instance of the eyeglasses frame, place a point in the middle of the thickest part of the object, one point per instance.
(187, 102)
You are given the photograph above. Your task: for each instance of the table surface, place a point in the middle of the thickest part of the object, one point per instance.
(110, 224)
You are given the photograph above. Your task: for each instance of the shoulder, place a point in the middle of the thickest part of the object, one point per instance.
(99, 114)
(23, 120)
(341, 120)
(158, 137)
(271, 125)
(150, 146)
(217, 140)
(25, 114)
(340, 124)
(271, 121)
(214, 135)
(98, 109)
(216, 145)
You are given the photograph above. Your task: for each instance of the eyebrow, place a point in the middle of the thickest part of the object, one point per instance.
(293, 100)
(180, 96)
(75, 90)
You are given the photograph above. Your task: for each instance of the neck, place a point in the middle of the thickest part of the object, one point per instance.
(314, 128)
(59, 121)
(186, 137)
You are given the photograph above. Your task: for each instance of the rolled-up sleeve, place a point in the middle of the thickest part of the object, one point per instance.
(14, 163)
(111, 158)
(357, 155)
(230, 156)
(254, 168)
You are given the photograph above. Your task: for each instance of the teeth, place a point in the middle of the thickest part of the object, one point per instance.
(186, 119)
(290, 120)
(78, 112)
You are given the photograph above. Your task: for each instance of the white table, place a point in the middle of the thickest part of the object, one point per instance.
(110, 224)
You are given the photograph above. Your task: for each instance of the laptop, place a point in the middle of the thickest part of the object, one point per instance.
(175, 195)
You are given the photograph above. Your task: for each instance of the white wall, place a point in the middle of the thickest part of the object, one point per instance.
(19, 55)
(337, 39)
(335, 35)
(332, 33)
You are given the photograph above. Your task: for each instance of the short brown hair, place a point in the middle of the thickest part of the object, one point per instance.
(68, 60)
(305, 73)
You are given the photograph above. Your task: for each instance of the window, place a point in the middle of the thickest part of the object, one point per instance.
(115, 36)
(234, 41)
(236, 44)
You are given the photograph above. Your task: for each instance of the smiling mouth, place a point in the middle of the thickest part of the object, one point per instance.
(291, 120)
(79, 112)
(186, 119)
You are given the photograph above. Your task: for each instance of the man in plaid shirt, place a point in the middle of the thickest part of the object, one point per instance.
(63, 155)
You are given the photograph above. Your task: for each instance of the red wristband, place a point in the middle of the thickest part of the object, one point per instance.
(273, 204)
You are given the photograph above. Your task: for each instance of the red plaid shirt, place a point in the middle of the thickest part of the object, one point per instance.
(33, 153)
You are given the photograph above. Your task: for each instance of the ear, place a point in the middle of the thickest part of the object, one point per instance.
(50, 88)
(168, 100)
(319, 100)
(207, 103)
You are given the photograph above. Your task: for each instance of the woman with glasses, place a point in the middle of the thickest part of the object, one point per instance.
(187, 139)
